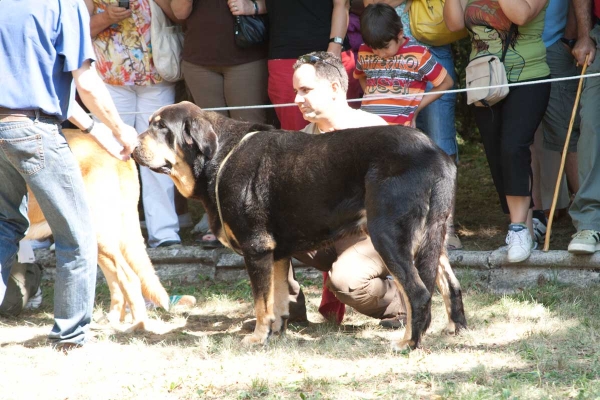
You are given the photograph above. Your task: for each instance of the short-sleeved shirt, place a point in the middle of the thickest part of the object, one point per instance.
(556, 21)
(123, 50)
(489, 28)
(297, 27)
(42, 42)
(404, 75)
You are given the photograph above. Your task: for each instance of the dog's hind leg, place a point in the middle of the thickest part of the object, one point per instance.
(409, 246)
(396, 252)
(450, 289)
(113, 261)
(116, 311)
(261, 271)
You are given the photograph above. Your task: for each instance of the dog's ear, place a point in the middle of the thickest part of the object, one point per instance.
(200, 132)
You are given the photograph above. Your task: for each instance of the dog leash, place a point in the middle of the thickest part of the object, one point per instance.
(246, 137)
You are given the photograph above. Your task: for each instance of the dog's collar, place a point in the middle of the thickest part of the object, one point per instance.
(246, 137)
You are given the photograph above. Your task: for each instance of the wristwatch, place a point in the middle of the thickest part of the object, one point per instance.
(89, 128)
(569, 42)
(337, 40)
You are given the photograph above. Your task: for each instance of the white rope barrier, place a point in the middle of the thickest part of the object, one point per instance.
(442, 92)
(567, 78)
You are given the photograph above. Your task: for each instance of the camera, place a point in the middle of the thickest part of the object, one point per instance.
(124, 4)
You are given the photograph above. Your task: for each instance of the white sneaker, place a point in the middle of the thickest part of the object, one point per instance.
(519, 243)
(585, 242)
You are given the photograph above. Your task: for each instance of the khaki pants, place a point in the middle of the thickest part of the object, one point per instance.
(357, 276)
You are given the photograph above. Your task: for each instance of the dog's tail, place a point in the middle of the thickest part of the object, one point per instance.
(152, 288)
(433, 249)
(432, 245)
(132, 245)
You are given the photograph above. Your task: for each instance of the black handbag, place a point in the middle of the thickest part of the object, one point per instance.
(251, 30)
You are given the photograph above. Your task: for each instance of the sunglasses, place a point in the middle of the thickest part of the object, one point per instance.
(312, 59)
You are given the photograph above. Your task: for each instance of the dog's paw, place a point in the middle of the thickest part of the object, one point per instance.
(400, 346)
(450, 328)
(279, 326)
(454, 328)
(254, 339)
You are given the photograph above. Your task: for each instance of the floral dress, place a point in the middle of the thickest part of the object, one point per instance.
(123, 50)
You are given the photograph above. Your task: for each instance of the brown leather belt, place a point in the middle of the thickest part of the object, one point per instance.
(10, 115)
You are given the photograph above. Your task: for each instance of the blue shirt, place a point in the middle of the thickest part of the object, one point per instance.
(555, 21)
(41, 42)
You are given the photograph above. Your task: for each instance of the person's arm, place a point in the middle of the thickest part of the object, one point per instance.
(99, 132)
(246, 7)
(363, 82)
(95, 96)
(571, 27)
(454, 14)
(182, 8)
(339, 25)
(165, 5)
(446, 84)
(101, 21)
(585, 45)
(521, 12)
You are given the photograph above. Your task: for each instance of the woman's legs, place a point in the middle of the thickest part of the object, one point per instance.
(507, 130)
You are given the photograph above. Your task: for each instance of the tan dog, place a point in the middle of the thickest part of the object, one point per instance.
(113, 191)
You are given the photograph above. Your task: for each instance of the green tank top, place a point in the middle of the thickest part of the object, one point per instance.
(489, 29)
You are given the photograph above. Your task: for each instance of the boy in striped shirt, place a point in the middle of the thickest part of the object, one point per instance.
(396, 67)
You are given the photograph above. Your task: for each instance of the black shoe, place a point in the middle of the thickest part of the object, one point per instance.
(397, 322)
(250, 324)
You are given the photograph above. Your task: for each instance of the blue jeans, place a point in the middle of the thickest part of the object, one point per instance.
(437, 119)
(34, 153)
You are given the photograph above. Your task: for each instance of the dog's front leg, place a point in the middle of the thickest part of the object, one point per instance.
(261, 269)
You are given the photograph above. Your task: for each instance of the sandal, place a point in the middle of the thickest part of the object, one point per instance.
(209, 241)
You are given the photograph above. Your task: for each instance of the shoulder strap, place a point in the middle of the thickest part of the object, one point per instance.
(511, 32)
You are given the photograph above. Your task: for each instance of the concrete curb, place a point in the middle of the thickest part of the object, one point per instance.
(489, 269)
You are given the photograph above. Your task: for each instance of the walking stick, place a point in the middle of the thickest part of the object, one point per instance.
(564, 157)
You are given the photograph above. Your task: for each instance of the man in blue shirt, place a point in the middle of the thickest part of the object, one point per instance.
(45, 47)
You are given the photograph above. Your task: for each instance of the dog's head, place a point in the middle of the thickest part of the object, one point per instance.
(180, 140)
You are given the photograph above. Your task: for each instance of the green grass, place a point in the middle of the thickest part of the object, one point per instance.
(540, 343)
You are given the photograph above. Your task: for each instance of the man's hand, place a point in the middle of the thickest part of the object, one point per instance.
(583, 47)
(109, 142)
(114, 14)
(127, 136)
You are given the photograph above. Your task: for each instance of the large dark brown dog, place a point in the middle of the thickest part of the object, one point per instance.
(282, 193)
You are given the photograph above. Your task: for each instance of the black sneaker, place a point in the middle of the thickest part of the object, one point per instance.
(397, 322)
